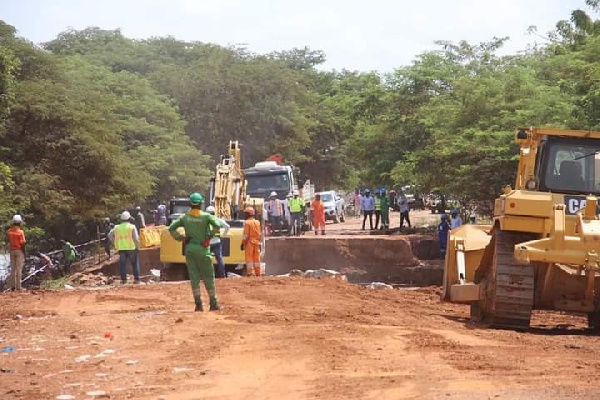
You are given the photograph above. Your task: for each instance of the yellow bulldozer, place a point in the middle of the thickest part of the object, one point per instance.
(542, 250)
(228, 195)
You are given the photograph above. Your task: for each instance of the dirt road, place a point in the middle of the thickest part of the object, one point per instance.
(282, 338)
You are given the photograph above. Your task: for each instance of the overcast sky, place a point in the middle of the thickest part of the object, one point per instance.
(364, 35)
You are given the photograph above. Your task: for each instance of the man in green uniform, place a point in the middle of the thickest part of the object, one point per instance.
(385, 210)
(199, 227)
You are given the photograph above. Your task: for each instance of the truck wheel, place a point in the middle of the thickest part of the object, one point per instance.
(594, 321)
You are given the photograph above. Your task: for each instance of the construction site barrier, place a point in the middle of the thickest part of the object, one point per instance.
(150, 236)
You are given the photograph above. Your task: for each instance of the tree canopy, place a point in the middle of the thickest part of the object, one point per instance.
(94, 122)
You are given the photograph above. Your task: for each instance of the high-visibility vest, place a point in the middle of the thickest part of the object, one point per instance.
(377, 204)
(124, 236)
(275, 207)
(296, 204)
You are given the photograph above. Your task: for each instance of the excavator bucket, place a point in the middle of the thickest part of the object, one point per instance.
(465, 249)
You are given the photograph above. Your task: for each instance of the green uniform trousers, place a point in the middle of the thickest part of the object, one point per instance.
(385, 218)
(199, 266)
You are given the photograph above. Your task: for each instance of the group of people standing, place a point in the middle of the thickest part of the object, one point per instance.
(379, 204)
(289, 210)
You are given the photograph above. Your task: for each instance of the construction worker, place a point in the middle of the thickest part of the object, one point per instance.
(377, 201)
(70, 255)
(357, 201)
(318, 212)
(296, 206)
(215, 243)
(140, 221)
(199, 229)
(367, 206)
(251, 242)
(456, 220)
(161, 213)
(443, 229)
(16, 240)
(127, 242)
(385, 209)
(275, 210)
(108, 226)
(404, 211)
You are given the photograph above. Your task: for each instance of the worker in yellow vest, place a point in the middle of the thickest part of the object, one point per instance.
(296, 206)
(127, 242)
(377, 207)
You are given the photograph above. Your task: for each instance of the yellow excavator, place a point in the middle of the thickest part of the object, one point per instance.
(542, 250)
(228, 195)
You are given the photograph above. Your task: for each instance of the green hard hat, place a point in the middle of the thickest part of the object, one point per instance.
(196, 198)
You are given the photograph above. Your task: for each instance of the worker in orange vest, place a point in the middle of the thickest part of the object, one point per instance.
(318, 211)
(275, 209)
(251, 243)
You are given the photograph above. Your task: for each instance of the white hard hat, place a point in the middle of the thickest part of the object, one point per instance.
(296, 193)
(289, 195)
(17, 219)
(210, 209)
(125, 216)
(273, 194)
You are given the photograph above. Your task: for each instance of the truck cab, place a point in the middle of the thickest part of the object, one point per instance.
(266, 177)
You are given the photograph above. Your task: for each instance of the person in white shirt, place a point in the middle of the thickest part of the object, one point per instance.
(215, 244)
(404, 211)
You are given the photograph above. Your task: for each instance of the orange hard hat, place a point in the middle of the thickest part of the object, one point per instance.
(249, 211)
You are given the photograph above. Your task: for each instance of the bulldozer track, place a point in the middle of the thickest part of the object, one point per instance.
(509, 290)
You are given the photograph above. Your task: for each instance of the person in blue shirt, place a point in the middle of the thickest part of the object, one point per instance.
(367, 204)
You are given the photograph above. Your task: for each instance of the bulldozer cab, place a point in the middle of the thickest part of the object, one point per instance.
(541, 252)
(569, 166)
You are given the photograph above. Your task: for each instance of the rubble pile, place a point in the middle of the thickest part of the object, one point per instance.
(318, 274)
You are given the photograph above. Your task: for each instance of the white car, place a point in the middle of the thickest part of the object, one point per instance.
(334, 206)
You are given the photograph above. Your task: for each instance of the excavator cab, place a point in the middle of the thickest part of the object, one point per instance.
(541, 251)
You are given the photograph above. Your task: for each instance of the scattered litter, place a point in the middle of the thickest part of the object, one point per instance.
(94, 343)
(107, 335)
(69, 287)
(149, 314)
(101, 375)
(155, 273)
(84, 358)
(131, 362)
(96, 393)
(233, 275)
(105, 353)
(182, 369)
(76, 384)
(65, 397)
(18, 317)
(380, 286)
(8, 349)
(6, 370)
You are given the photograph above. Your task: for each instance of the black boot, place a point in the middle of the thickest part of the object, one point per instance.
(199, 307)
(214, 306)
